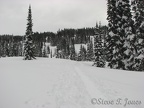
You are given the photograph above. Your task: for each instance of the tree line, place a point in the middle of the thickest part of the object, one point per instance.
(61, 39)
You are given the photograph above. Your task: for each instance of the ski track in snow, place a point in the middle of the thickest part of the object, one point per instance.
(103, 88)
(91, 87)
(96, 89)
(56, 83)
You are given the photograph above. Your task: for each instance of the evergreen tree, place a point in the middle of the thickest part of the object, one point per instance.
(113, 38)
(98, 49)
(121, 45)
(138, 8)
(11, 47)
(72, 50)
(44, 52)
(89, 54)
(82, 53)
(51, 55)
(67, 51)
(126, 33)
(28, 46)
(48, 50)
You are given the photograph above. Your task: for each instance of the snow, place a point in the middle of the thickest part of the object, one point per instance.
(140, 40)
(111, 33)
(132, 37)
(53, 49)
(47, 44)
(141, 56)
(124, 17)
(92, 39)
(142, 24)
(77, 47)
(59, 83)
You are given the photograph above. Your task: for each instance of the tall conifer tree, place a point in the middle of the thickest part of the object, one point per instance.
(89, 53)
(28, 46)
(121, 40)
(98, 48)
(126, 32)
(112, 37)
(72, 50)
(138, 9)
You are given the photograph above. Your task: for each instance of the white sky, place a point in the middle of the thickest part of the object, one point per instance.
(50, 15)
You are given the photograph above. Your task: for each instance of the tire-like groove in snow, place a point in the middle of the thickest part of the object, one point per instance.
(91, 88)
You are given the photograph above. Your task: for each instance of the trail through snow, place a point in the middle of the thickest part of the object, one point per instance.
(57, 83)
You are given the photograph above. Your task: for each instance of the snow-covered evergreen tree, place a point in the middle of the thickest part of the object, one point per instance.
(72, 50)
(138, 9)
(89, 53)
(114, 43)
(98, 49)
(67, 51)
(48, 51)
(126, 32)
(82, 53)
(28, 46)
(51, 54)
(44, 50)
(112, 37)
(121, 40)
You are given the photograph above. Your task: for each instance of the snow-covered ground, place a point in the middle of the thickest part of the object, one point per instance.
(58, 83)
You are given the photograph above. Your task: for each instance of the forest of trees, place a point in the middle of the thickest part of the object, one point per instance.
(11, 45)
(63, 39)
(125, 42)
(120, 44)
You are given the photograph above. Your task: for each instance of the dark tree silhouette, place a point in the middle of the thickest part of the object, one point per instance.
(28, 46)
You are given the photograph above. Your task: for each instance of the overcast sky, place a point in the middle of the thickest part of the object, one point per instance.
(50, 15)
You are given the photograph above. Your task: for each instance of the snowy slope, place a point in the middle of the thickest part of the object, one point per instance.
(57, 83)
